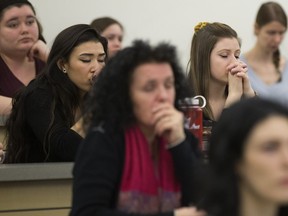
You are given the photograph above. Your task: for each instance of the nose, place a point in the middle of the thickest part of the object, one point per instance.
(116, 43)
(278, 38)
(96, 67)
(24, 28)
(234, 59)
(162, 94)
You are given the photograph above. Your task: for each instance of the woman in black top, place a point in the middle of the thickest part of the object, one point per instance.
(137, 159)
(42, 125)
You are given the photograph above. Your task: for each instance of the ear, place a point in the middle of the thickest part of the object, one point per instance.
(61, 65)
(256, 29)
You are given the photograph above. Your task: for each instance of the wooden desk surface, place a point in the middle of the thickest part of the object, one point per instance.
(35, 189)
(35, 171)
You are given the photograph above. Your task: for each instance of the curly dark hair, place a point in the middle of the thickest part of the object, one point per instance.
(110, 102)
(65, 93)
(227, 145)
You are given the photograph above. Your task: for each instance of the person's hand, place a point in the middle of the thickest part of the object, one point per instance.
(1, 153)
(168, 122)
(240, 70)
(236, 71)
(188, 211)
(39, 50)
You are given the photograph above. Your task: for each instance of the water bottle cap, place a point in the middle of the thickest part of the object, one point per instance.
(195, 101)
(202, 98)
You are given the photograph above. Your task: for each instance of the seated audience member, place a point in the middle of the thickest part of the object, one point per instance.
(267, 68)
(249, 161)
(137, 159)
(43, 123)
(22, 53)
(112, 30)
(215, 70)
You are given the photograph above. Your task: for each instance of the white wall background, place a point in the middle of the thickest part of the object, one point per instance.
(155, 20)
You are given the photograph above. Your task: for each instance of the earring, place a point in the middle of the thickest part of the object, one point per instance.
(64, 70)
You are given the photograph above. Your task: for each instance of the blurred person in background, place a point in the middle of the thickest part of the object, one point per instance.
(267, 67)
(248, 160)
(112, 30)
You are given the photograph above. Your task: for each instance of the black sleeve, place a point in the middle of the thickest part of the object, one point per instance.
(64, 142)
(97, 175)
(188, 165)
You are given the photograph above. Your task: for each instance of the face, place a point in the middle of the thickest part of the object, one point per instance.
(225, 52)
(86, 62)
(151, 85)
(18, 29)
(264, 168)
(270, 35)
(114, 35)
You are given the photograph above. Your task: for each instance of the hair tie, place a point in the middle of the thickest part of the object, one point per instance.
(200, 25)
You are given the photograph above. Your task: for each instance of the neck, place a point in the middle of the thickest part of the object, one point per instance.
(257, 53)
(148, 133)
(217, 98)
(253, 205)
(216, 94)
(14, 59)
(217, 90)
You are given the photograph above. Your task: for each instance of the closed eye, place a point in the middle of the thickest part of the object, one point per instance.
(85, 60)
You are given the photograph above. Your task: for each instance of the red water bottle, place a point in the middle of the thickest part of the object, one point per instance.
(194, 117)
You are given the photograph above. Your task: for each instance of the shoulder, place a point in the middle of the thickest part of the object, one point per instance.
(37, 93)
(101, 137)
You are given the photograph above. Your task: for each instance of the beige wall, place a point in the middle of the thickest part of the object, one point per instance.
(155, 20)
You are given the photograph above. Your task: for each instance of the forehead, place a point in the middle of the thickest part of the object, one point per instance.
(112, 28)
(272, 128)
(149, 71)
(89, 47)
(15, 11)
(274, 25)
(227, 44)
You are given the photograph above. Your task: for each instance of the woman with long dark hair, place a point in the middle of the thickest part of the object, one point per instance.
(42, 125)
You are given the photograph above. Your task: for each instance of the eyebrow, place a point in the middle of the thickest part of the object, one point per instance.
(90, 54)
(16, 18)
(228, 50)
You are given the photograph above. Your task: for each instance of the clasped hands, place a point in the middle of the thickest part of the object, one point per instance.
(238, 82)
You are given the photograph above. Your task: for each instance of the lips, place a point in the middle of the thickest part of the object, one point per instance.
(92, 80)
(25, 40)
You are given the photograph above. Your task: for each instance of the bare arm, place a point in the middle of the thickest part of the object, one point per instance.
(5, 105)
